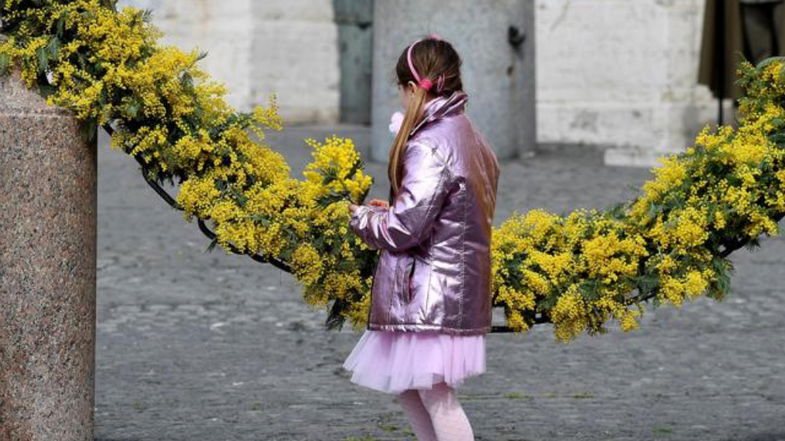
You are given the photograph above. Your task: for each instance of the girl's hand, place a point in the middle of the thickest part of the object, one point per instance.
(379, 203)
(353, 207)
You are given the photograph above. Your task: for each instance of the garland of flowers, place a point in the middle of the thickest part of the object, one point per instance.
(108, 68)
(669, 244)
(578, 271)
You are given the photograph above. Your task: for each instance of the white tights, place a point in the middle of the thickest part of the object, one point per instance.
(436, 414)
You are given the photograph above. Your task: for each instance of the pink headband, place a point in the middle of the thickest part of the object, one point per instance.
(425, 83)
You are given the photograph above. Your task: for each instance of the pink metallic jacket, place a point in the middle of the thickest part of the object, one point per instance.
(434, 271)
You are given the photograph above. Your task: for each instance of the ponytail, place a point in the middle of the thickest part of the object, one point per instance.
(437, 73)
(410, 119)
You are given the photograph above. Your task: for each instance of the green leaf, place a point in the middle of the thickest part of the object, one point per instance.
(53, 48)
(765, 62)
(132, 108)
(187, 80)
(147, 15)
(5, 62)
(590, 289)
(647, 282)
(61, 23)
(89, 129)
(653, 209)
(43, 59)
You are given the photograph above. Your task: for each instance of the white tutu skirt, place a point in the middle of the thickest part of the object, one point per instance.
(393, 361)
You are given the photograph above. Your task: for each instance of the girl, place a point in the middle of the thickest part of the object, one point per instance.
(430, 296)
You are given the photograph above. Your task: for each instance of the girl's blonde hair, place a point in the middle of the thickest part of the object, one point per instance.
(435, 67)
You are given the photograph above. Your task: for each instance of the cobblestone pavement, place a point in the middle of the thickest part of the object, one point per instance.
(212, 346)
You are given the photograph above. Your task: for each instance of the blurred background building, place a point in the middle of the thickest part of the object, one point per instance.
(622, 75)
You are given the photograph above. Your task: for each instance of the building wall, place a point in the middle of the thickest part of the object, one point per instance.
(621, 73)
(617, 73)
(286, 47)
(295, 55)
(493, 73)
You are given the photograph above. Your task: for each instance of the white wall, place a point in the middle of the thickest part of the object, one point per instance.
(296, 56)
(287, 47)
(621, 73)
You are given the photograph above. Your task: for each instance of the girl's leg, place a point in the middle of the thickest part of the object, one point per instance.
(417, 414)
(448, 418)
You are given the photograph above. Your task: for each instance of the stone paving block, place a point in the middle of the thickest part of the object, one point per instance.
(181, 356)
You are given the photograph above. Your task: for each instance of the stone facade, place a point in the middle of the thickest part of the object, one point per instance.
(622, 74)
(619, 74)
(286, 47)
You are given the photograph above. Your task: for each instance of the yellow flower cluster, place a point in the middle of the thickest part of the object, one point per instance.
(577, 271)
(570, 314)
(669, 244)
(107, 67)
(607, 257)
(337, 168)
(541, 263)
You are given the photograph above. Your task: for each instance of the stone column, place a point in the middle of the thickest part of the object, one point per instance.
(498, 71)
(47, 270)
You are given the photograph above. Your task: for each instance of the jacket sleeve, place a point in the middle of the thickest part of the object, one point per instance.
(409, 220)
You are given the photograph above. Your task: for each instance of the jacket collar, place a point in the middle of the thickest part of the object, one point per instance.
(441, 107)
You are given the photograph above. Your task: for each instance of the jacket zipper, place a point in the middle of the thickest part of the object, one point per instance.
(409, 274)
